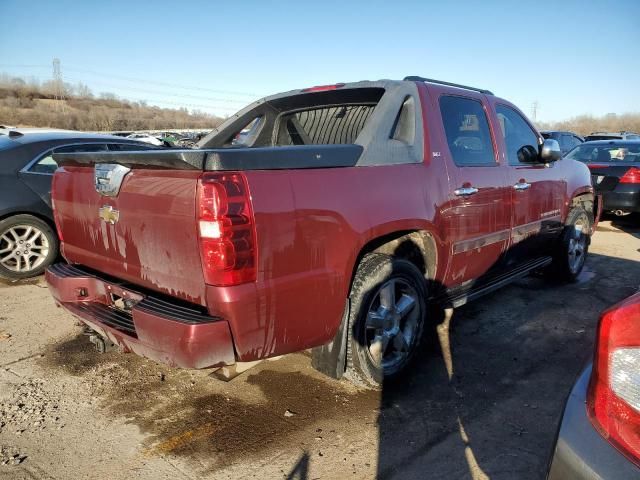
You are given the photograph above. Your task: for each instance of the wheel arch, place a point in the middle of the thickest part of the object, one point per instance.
(418, 245)
(48, 220)
(590, 203)
(415, 245)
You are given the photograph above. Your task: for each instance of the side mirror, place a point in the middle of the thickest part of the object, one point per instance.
(528, 154)
(550, 151)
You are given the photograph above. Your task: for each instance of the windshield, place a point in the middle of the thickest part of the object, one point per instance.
(610, 152)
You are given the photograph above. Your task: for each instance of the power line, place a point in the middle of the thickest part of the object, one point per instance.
(222, 109)
(169, 94)
(164, 84)
(137, 80)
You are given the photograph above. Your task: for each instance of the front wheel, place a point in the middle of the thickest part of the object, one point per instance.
(386, 319)
(28, 245)
(571, 251)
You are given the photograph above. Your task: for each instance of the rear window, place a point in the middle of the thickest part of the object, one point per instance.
(610, 152)
(330, 117)
(324, 125)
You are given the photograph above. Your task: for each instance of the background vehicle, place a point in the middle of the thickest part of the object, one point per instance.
(344, 210)
(599, 435)
(567, 140)
(612, 136)
(615, 169)
(145, 137)
(28, 240)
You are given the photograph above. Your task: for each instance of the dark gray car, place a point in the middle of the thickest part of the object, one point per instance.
(567, 140)
(28, 239)
(599, 436)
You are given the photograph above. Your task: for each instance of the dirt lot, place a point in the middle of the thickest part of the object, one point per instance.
(490, 411)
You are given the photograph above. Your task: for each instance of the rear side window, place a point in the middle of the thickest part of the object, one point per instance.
(517, 134)
(47, 165)
(329, 125)
(467, 130)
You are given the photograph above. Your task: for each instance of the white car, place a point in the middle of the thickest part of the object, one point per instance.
(144, 137)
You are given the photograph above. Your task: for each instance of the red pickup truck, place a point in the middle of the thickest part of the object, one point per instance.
(327, 217)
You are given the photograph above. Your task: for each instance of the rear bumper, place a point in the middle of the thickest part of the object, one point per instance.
(580, 451)
(153, 327)
(624, 197)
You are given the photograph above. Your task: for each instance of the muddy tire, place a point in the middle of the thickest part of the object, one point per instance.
(386, 320)
(571, 251)
(28, 245)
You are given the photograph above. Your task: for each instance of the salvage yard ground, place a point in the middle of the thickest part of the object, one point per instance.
(492, 411)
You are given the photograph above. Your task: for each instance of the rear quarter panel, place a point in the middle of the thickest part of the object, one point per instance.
(311, 227)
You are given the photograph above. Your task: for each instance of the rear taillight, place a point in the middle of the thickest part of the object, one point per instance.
(613, 399)
(631, 176)
(226, 229)
(593, 166)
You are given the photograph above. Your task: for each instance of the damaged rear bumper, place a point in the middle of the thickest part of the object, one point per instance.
(150, 326)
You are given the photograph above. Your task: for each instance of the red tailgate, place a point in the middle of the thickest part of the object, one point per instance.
(153, 241)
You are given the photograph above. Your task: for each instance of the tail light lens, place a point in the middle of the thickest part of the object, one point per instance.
(613, 399)
(226, 228)
(631, 176)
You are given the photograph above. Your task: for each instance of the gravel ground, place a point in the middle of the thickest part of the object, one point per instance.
(483, 402)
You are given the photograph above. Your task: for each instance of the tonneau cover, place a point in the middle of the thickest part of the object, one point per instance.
(264, 158)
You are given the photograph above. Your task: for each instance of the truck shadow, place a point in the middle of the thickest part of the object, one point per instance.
(485, 394)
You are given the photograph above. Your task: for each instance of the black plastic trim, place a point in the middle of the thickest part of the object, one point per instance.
(162, 308)
(111, 317)
(292, 157)
(415, 78)
(176, 159)
(261, 158)
(458, 296)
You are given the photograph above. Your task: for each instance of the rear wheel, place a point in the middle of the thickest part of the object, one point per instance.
(571, 251)
(386, 319)
(28, 245)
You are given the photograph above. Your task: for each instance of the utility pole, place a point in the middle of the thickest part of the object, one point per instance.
(58, 84)
(534, 111)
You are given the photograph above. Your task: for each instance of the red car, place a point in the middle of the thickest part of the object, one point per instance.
(326, 217)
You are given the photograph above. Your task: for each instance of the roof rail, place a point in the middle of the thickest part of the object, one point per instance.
(415, 78)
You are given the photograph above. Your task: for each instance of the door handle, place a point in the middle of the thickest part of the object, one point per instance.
(521, 186)
(465, 191)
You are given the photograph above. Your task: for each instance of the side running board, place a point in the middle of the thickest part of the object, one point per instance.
(457, 297)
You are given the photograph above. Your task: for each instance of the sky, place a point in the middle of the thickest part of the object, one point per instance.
(570, 57)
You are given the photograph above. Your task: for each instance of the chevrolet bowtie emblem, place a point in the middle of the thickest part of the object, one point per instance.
(109, 215)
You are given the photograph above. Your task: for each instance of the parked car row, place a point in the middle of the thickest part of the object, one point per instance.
(623, 135)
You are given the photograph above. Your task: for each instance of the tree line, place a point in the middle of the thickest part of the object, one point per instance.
(586, 124)
(30, 103)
